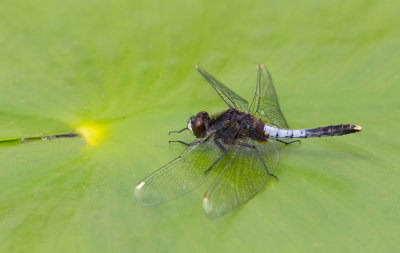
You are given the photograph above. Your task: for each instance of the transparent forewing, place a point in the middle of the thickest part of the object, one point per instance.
(180, 176)
(230, 98)
(265, 103)
(242, 177)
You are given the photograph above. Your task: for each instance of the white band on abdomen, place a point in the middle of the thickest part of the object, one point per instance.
(274, 132)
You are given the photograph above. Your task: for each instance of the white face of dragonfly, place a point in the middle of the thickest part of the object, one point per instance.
(190, 126)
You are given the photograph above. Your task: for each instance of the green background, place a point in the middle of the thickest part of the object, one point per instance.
(128, 66)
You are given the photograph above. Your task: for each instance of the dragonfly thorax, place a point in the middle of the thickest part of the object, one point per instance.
(230, 126)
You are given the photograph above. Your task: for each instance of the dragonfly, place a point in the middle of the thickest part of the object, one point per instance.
(240, 145)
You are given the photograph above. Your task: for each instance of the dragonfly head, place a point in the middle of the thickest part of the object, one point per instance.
(199, 124)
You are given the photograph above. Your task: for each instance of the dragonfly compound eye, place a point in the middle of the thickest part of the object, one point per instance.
(198, 127)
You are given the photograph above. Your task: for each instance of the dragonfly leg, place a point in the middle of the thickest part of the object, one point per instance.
(187, 144)
(259, 156)
(193, 143)
(222, 148)
(178, 131)
(288, 142)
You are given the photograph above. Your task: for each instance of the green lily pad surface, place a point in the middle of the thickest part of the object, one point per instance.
(120, 73)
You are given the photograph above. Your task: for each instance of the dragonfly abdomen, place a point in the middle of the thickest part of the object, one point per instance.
(342, 129)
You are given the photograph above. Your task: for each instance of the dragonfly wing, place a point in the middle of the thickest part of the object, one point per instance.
(230, 98)
(265, 103)
(180, 176)
(242, 177)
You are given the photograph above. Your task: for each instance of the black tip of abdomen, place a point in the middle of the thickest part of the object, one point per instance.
(336, 130)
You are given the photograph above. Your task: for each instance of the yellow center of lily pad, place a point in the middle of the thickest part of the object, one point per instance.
(92, 132)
